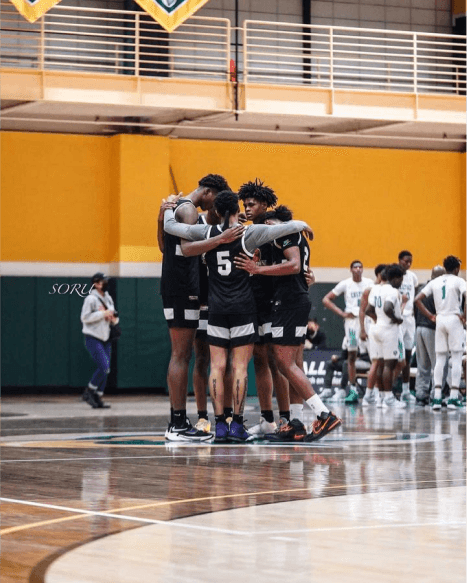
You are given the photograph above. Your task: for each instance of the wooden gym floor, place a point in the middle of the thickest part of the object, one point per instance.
(93, 496)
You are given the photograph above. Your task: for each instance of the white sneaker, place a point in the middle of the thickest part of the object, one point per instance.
(326, 393)
(400, 404)
(379, 401)
(367, 401)
(262, 428)
(408, 398)
(388, 401)
(339, 395)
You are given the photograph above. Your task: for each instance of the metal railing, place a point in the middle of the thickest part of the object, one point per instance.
(354, 58)
(132, 43)
(115, 41)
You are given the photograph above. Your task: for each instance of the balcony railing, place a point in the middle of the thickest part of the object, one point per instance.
(132, 43)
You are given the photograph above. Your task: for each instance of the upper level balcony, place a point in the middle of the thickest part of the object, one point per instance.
(108, 71)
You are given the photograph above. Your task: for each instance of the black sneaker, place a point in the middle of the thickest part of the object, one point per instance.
(100, 402)
(325, 423)
(291, 431)
(186, 433)
(422, 402)
(89, 397)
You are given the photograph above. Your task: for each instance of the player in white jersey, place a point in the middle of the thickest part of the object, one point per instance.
(408, 287)
(352, 288)
(385, 308)
(366, 323)
(448, 293)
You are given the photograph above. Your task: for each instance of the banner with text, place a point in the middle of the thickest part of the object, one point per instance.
(314, 365)
(171, 13)
(33, 9)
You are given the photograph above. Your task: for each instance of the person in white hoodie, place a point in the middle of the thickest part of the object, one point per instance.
(97, 315)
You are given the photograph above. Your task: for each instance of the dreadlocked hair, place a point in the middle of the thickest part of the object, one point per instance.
(258, 191)
(226, 204)
(214, 181)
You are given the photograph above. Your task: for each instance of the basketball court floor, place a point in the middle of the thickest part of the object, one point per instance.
(91, 496)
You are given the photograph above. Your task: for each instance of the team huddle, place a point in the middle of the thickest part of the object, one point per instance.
(381, 315)
(232, 292)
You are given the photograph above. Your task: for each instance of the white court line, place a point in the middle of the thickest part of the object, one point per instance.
(228, 531)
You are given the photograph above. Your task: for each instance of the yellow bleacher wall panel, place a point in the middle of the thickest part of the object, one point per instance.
(96, 199)
(55, 197)
(365, 203)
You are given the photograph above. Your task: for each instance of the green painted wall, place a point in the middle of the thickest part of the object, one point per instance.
(42, 343)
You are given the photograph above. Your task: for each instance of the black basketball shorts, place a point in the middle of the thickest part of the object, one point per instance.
(230, 330)
(289, 326)
(181, 312)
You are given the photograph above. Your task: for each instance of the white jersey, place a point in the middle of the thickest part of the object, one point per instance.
(408, 287)
(447, 291)
(379, 295)
(352, 291)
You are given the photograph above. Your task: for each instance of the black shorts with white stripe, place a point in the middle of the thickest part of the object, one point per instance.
(181, 312)
(289, 326)
(264, 326)
(230, 330)
(202, 332)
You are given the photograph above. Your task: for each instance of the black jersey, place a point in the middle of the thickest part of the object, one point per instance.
(203, 271)
(262, 284)
(229, 288)
(180, 275)
(291, 291)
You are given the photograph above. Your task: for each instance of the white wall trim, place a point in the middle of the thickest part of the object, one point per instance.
(131, 269)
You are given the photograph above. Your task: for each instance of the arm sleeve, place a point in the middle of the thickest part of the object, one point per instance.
(257, 235)
(189, 232)
(89, 315)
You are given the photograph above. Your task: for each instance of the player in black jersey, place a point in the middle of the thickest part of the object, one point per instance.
(257, 198)
(180, 296)
(232, 309)
(291, 307)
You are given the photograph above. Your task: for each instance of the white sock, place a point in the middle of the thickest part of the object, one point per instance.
(317, 405)
(405, 388)
(92, 387)
(296, 411)
(454, 394)
(368, 392)
(437, 393)
(376, 392)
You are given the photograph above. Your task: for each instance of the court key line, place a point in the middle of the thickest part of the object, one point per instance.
(114, 512)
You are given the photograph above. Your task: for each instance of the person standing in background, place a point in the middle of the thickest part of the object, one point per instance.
(97, 315)
(425, 344)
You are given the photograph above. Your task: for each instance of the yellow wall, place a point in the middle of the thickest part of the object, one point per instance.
(96, 199)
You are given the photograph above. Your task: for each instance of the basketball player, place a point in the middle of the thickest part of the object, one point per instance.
(385, 308)
(408, 287)
(375, 372)
(180, 298)
(291, 307)
(232, 320)
(352, 288)
(448, 292)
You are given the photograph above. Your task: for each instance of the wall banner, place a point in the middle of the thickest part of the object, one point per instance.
(33, 9)
(171, 13)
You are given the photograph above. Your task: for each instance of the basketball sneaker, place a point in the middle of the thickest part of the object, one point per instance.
(262, 428)
(100, 403)
(436, 404)
(222, 431)
(288, 431)
(203, 425)
(238, 433)
(351, 398)
(408, 398)
(325, 393)
(455, 404)
(89, 397)
(325, 423)
(369, 399)
(186, 433)
(400, 404)
(339, 395)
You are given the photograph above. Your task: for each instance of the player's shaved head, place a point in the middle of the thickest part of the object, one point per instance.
(437, 271)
